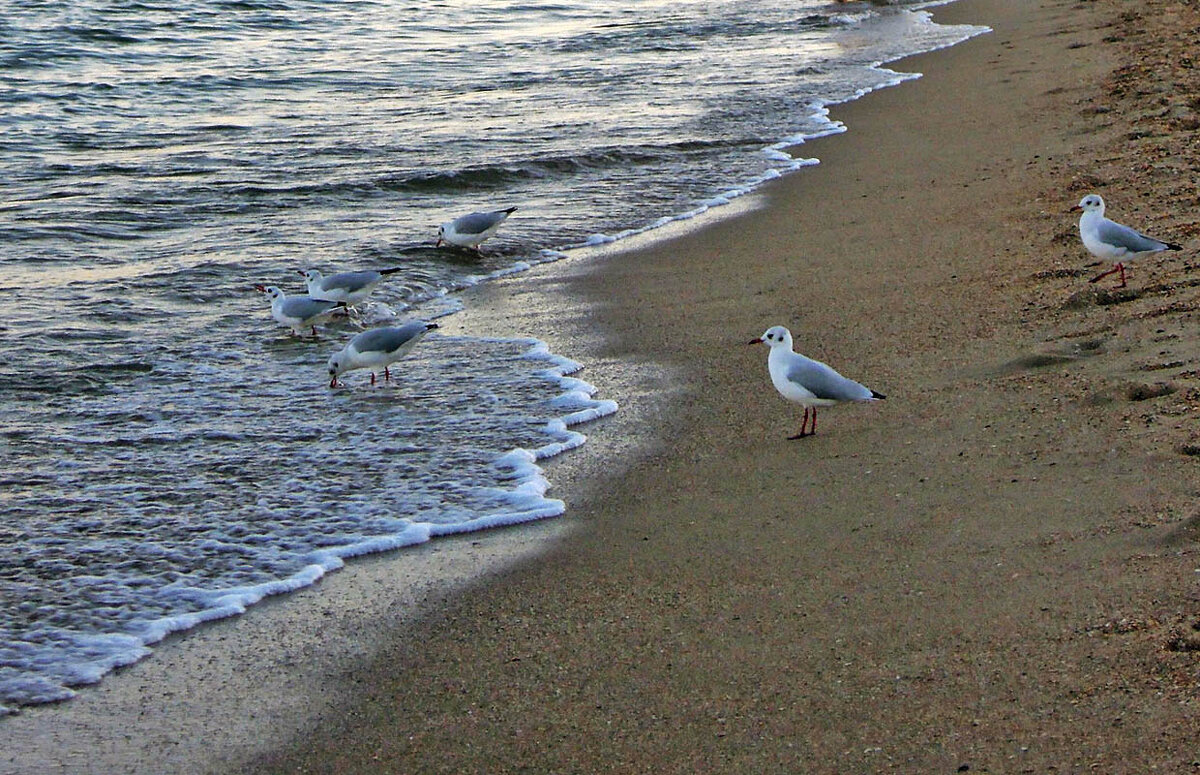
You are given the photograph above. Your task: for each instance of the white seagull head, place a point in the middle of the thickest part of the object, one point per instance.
(775, 336)
(1092, 203)
(337, 364)
(270, 290)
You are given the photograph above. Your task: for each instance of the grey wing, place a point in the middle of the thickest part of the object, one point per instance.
(304, 308)
(1112, 233)
(387, 340)
(823, 382)
(351, 281)
(478, 223)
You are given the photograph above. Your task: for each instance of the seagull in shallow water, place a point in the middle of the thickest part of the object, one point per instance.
(377, 347)
(297, 312)
(346, 287)
(469, 231)
(1110, 241)
(807, 382)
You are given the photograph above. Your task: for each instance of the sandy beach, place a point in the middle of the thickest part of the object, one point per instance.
(994, 570)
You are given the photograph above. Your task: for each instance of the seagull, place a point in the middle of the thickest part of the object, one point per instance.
(298, 312)
(807, 382)
(377, 347)
(469, 231)
(1111, 241)
(346, 287)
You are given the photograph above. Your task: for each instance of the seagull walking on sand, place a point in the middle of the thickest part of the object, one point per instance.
(297, 312)
(1111, 241)
(346, 287)
(469, 231)
(377, 347)
(807, 382)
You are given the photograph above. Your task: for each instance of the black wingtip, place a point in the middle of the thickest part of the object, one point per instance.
(1173, 246)
(511, 210)
(877, 395)
(393, 270)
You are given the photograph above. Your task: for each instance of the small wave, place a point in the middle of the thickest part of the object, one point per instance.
(119, 368)
(500, 176)
(847, 19)
(98, 35)
(254, 5)
(35, 55)
(33, 385)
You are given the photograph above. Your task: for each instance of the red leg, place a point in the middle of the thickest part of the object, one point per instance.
(387, 375)
(372, 378)
(1118, 268)
(1122, 268)
(314, 328)
(803, 425)
(813, 432)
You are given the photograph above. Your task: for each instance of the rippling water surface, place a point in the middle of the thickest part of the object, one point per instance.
(169, 454)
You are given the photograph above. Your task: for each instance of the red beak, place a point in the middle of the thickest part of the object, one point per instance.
(260, 288)
(333, 382)
(1075, 209)
(755, 341)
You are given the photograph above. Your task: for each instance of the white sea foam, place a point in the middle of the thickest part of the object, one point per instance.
(49, 662)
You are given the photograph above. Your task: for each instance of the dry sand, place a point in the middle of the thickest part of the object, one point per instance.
(994, 569)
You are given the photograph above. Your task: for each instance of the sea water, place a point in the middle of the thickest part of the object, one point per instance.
(168, 454)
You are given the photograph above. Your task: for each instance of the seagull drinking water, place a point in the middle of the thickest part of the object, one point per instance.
(346, 287)
(469, 231)
(807, 382)
(297, 312)
(1112, 241)
(377, 347)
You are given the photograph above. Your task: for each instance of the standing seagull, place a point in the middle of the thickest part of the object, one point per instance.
(298, 312)
(377, 347)
(346, 287)
(1111, 241)
(807, 382)
(469, 231)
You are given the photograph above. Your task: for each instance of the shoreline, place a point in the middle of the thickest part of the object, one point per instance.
(1000, 590)
(526, 613)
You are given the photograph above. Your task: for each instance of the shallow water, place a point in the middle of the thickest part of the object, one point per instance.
(169, 453)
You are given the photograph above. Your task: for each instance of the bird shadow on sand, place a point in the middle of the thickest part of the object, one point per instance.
(1188, 531)
(1058, 355)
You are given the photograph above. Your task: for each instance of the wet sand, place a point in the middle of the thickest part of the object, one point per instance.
(995, 568)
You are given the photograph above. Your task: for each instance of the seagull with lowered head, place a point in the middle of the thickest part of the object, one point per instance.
(377, 347)
(469, 231)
